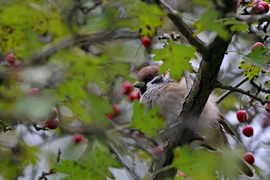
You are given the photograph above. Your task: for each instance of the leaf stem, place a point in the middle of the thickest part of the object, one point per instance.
(235, 52)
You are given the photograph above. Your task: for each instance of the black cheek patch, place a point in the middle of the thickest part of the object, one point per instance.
(157, 80)
(143, 89)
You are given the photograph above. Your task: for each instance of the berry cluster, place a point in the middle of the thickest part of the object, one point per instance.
(242, 116)
(12, 60)
(127, 89)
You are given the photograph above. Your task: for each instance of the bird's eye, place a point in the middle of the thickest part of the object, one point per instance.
(149, 78)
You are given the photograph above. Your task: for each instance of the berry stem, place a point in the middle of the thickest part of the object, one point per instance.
(250, 37)
(136, 53)
(235, 52)
(240, 102)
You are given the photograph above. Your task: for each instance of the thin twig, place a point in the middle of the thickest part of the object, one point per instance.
(124, 162)
(234, 89)
(229, 91)
(51, 171)
(44, 128)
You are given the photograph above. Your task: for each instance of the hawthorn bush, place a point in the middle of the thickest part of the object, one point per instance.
(67, 106)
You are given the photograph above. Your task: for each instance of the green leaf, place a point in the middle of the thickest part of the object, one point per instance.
(236, 25)
(176, 58)
(198, 163)
(256, 57)
(149, 122)
(148, 17)
(9, 169)
(208, 21)
(251, 70)
(95, 166)
(97, 107)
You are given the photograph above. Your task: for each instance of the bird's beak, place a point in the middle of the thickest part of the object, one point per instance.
(139, 84)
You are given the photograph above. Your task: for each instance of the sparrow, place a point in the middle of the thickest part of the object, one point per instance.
(160, 90)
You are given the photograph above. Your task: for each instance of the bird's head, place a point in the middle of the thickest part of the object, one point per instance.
(148, 77)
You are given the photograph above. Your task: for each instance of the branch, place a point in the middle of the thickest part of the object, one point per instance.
(69, 40)
(234, 89)
(229, 91)
(51, 171)
(253, 18)
(188, 33)
(194, 103)
(185, 30)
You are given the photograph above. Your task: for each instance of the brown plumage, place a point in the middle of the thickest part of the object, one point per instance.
(160, 90)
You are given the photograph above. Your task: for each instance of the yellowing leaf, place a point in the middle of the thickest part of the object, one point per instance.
(148, 17)
(149, 122)
(251, 70)
(176, 58)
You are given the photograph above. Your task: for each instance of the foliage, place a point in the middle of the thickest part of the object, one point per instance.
(149, 122)
(207, 21)
(78, 53)
(176, 58)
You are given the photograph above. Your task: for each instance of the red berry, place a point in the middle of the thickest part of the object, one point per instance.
(17, 64)
(257, 10)
(11, 58)
(52, 123)
(110, 116)
(248, 131)
(265, 5)
(241, 115)
(117, 109)
(258, 44)
(239, 4)
(146, 42)
(128, 87)
(249, 157)
(77, 137)
(33, 91)
(267, 107)
(134, 95)
(54, 113)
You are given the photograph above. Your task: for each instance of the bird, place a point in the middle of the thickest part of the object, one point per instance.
(160, 90)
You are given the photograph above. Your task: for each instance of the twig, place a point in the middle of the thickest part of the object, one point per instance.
(5, 126)
(253, 18)
(69, 40)
(167, 6)
(51, 171)
(124, 162)
(187, 32)
(229, 91)
(44, 128)
(259, 87)
(234, 89)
